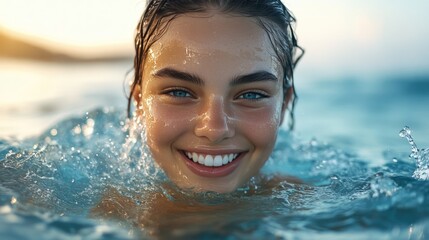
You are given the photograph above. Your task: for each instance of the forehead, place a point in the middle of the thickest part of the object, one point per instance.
(208, 37)
(220, 30)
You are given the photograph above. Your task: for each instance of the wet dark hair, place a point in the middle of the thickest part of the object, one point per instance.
(272, 15)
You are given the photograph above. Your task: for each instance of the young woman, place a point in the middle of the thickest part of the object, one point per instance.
(212, 82)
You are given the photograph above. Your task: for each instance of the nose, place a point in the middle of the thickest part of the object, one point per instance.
(214, 123)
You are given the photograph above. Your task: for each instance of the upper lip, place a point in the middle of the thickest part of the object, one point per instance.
(206, 151)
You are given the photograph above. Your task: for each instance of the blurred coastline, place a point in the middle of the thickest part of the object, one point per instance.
(40, 86)
(12, 46)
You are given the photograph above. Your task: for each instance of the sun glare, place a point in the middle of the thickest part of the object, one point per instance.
(77, 26)
(353, 36)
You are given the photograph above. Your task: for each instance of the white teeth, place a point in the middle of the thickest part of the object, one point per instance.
(208, 161)
(225, 159)
(201, 159)
(211, 160)
(194, 157)
(217, 161)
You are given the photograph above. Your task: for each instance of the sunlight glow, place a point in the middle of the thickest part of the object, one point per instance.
(341, 36)
(78, 25)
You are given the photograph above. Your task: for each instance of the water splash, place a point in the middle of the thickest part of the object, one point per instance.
(420, 155)
(50, 186)
(136, 166)
(382, 186)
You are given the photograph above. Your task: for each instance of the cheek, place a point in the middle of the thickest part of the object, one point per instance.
(261, 126)
(163, 124)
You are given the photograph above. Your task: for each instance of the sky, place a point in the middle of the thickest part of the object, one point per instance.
(364, 37)
(341, 37)
(82, 26)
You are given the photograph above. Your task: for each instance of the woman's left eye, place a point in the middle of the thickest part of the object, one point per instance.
(252, 96)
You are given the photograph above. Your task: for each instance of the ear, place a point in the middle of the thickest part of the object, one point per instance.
(137, 93)
(286, 99)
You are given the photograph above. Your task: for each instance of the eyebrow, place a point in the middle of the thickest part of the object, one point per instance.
(253, 77)
(238, 80)
(184, 76)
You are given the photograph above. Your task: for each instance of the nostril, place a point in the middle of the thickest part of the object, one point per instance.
(214, 130)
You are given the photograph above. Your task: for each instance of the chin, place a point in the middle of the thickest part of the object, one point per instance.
(216, 186)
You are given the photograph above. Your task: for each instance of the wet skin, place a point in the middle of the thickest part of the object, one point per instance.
(211, 93)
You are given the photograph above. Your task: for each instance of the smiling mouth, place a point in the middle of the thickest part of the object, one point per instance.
(211, 160)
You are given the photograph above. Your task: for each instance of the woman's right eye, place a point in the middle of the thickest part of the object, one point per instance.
(179, 93)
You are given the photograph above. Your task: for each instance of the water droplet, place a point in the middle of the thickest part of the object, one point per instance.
(54, 132)
(420, 155)
(88, 128)
(335, 178)
(381, 186)
(90, 122)
(406, 131)
(77, 129)
(410, 230)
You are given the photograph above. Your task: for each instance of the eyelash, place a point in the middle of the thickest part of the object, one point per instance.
(173, 91)
(259, 95)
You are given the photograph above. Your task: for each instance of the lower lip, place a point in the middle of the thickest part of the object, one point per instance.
(214, 172)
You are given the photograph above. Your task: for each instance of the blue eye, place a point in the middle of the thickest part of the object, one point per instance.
(179, 93)
(252, 96)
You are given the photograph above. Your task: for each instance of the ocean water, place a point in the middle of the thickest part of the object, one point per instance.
(87, 175)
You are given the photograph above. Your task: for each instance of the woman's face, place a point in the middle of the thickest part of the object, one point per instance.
(212, 100)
